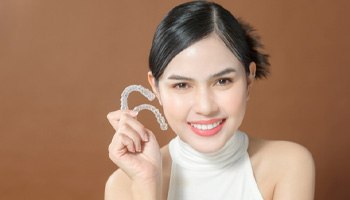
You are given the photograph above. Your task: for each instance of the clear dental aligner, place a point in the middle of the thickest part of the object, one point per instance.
(139, 88)
(160, 118)
(150, 96)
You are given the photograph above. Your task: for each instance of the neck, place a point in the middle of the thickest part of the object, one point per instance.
(187, 157)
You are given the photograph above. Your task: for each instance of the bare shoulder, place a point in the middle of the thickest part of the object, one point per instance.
(286, 151)
(166, 158)
(281, 156)
(289, 166)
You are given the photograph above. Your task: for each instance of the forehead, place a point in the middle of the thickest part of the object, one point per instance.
(204, 57)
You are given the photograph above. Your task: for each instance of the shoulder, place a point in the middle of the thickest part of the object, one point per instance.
(286, 151)
(289, 165)
(166, 157)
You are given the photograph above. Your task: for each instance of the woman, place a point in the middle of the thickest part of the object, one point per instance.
(203, 63)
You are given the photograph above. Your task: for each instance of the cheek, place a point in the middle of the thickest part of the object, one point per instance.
(175, 110)
(174, 106)
(234, 102)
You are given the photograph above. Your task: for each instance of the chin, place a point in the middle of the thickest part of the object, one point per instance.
(208, 143)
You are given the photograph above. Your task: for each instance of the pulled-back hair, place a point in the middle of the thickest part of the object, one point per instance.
(190, 22)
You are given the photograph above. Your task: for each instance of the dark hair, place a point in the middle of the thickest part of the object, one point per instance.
(190, 22)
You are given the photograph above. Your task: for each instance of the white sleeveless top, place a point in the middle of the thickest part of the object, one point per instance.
(223, 175)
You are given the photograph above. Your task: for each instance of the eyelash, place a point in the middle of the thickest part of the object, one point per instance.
(181, 85)
(185, 85)
(227, 81)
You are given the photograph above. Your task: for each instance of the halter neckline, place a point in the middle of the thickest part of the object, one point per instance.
(189, 158)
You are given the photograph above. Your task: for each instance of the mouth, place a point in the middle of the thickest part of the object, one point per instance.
(208, 127)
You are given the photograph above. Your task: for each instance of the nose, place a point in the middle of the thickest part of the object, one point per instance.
(205, 103)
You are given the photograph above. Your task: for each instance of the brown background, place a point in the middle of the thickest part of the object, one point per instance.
(63, 65)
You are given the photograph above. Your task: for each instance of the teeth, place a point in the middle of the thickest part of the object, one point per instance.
(205, 127)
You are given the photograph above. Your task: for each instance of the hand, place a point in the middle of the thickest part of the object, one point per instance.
(134, 148)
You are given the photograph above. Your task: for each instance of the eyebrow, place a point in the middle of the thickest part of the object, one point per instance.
(221, 73)
(224, 72)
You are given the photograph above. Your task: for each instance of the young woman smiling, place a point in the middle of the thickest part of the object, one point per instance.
(203, 63)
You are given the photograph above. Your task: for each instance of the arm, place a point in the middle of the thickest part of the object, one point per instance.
(298, 178)
(119, 186)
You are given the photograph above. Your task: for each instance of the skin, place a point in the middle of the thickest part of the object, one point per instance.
(207, 82)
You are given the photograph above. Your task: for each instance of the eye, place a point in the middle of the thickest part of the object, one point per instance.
(224, 81)
(181, 85)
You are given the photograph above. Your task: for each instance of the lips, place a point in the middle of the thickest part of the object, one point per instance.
(207, 127)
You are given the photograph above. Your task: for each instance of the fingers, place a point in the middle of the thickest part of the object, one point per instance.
(121, 145)
(130, 138)
(114, 117)
(130, 133)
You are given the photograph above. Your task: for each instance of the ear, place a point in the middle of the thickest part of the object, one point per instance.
(153, 83)
(250, 78)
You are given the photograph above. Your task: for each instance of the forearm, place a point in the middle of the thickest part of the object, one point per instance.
(150, 190)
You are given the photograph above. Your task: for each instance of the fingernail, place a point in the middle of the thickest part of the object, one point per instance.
(134, 113)
(145, 137)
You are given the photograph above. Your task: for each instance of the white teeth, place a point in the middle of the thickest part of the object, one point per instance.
(206, 126)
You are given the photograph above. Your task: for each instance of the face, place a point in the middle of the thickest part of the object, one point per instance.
(204, 91)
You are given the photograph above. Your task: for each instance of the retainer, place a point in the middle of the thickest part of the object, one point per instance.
(150, 96)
